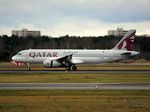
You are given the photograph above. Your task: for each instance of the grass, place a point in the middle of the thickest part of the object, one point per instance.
(75, 101)
(74, 78)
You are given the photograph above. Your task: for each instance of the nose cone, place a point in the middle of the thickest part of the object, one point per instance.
(13, 58)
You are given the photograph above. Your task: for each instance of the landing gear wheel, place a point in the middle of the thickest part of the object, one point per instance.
(68, 68)
(74, 68)
(28, 68)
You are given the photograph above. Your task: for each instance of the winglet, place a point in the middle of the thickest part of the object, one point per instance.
(126, 43)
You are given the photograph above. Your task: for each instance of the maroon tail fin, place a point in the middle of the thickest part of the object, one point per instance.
(127, 42)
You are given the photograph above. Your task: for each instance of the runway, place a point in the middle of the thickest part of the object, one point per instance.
(75, 72)
(73, 86)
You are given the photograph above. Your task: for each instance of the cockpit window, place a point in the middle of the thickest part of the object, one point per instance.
(19, 54)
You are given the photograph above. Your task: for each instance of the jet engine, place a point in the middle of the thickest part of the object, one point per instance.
(51, 63)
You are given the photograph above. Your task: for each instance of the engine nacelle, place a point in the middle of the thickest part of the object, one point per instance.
(51, 63)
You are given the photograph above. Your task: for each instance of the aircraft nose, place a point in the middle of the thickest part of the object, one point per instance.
(13, 58)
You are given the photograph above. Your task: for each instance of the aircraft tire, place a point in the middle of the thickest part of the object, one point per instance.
(68, 68)
(28, 68)
(74, 68)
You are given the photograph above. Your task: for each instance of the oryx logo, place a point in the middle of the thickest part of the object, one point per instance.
(122, 45)
(127, 43)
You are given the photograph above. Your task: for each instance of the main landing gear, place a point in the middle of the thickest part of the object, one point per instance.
(28, 66)
(74, 68)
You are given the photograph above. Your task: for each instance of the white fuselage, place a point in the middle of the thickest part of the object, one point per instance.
(78, 56)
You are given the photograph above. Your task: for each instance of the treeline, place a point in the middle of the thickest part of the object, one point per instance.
(11, 45)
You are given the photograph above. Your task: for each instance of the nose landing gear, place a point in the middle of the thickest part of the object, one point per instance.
(28, 66)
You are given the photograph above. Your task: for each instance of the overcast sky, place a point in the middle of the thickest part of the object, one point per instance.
(74, 17)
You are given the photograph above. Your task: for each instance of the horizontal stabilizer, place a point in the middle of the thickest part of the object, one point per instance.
(126, 54)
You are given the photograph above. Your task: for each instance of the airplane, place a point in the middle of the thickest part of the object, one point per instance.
(69, 58)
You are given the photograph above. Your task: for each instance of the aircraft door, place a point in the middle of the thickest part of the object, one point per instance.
(101, 55)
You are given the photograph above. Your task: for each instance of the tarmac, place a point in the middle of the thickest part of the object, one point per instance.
(75, 72)
(73, 86)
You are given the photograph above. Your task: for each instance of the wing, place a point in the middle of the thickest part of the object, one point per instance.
(69, 60)
(61, 61)
(66, 60)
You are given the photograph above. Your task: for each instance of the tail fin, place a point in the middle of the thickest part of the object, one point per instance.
(126, 43)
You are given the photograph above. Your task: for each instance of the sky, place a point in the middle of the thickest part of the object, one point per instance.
(74, 17)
